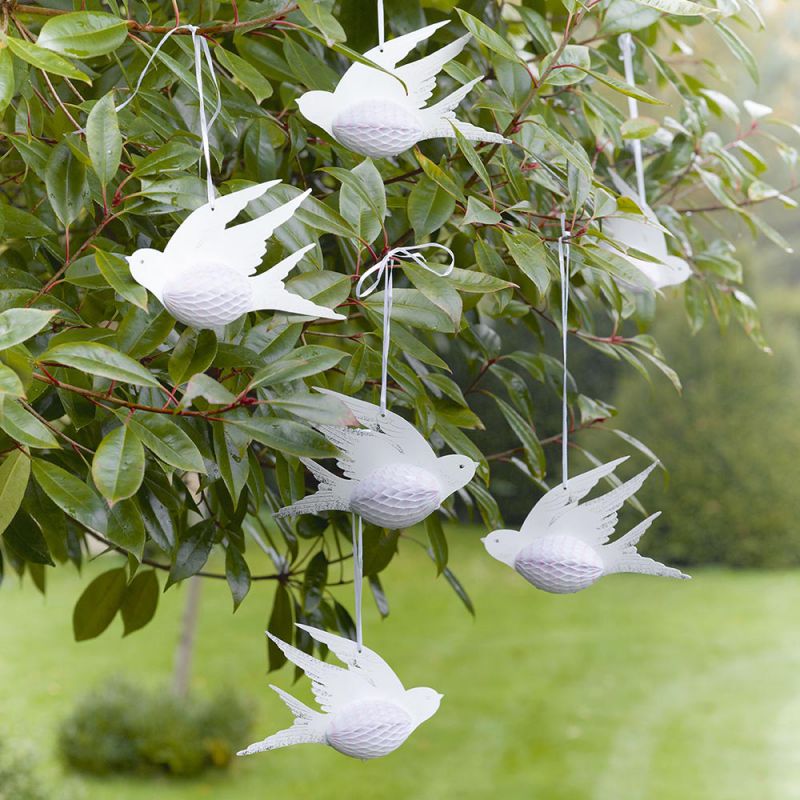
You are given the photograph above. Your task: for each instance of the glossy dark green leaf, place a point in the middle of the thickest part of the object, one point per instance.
(193, 551)
(140, 601)
(99, 604)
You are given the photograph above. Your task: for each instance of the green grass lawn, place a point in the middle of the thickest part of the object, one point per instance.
(636, 689)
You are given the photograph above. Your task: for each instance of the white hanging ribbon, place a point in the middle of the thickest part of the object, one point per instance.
(383, 270)
(564, 271)
(381, 25)
(201, 50)
(358, 575)
(628, 48)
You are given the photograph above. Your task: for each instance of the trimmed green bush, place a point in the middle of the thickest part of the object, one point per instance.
(120, 727)
(20, 775)
(731, 444)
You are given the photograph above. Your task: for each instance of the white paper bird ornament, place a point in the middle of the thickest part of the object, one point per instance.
(366, 711)
(371, 112)
(644, 235)
(206, 276)
(563, 545)
(391, 476)
(647, 236)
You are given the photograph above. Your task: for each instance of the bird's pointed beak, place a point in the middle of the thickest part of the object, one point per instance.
(441, 696)
(483, 539)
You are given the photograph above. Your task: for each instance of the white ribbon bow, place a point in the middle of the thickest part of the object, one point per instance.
(201, 50)
(383, 271)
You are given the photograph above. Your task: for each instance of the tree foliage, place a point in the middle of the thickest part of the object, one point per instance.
(107, 404)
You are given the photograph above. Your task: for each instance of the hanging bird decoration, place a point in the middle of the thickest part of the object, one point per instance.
(563, 545)
(366, 711)
(382, 114)
(391, 475)
(647, 236)
(206, 276)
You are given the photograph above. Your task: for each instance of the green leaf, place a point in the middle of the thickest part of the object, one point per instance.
(83, 34)
(460, 591)
(681, 8)
(205, 386)
(280, 625)
(23, 427)
(287, 436)
(193, 353)
(433, 527)
(45, 60)
(170, 157)
(486, 36)
(623, 87)
(17, 325)
(72, 496)
(14, 473)
(314, 582)
(638, 128)
(165, 438)
(532, 257)
(140, 601)
(245, 74)
(98, 605)
(67, 189)
(6, 79)
(237, 574)
(193, 551)
(24, 537)
(118, 464)
(438, 290)
(117, 274)
(322, 19)
(100, 359)
(103, 139)
(429, 207)
(10, 384)
(19, 224)
(304, 362)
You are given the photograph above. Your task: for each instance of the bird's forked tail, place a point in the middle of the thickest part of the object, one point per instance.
(333, 494)
(269, 290)
(622, 555)
(308, 728)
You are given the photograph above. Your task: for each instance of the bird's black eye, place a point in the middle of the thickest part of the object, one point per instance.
(461, 466)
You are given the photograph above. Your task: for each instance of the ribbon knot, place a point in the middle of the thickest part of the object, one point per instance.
(201, 50)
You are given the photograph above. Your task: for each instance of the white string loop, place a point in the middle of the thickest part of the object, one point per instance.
(564, 271)
(201, 51)
(628, 48)
(383, 271)
(381, 25)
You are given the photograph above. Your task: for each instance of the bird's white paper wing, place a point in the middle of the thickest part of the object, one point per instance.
(204, 237)
(366, 663)
(361, 81)
(388, 437)
(332, 686)
(420, 76)
(595, 521)
(563, 497)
